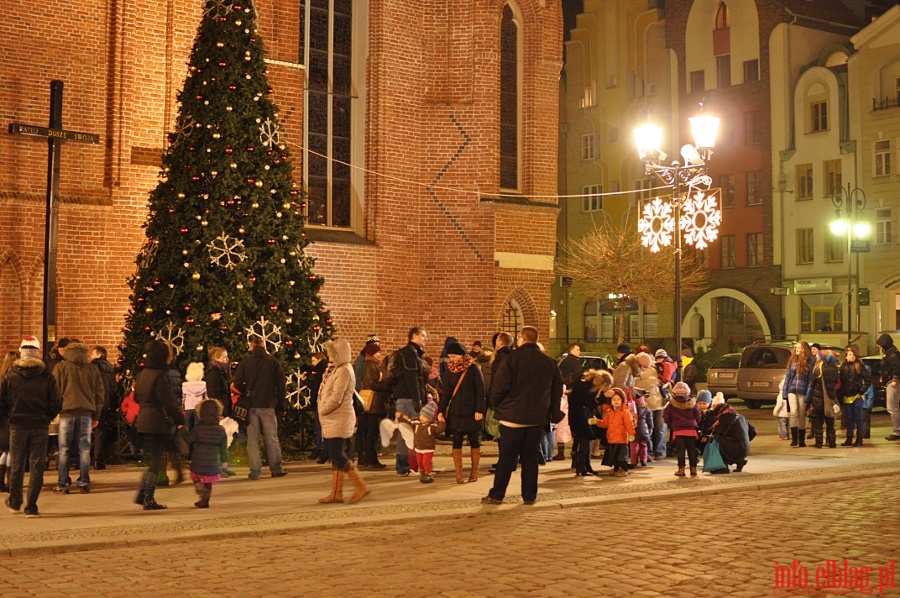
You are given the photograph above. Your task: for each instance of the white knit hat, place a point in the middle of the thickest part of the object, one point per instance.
(30, 348)
(718, 399)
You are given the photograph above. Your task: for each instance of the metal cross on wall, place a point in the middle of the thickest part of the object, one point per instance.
(55, 135)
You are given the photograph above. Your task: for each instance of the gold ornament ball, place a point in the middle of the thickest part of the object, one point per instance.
(195, 276)
(240, 287)
(255, 205)
(148, 310)
(258, 183)
(216, 135)
(241, 230)
(286, 206)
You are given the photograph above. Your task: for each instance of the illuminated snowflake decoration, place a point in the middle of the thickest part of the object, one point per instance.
(315, 341)
(218, 8)
(226, 252)
(269, 134)
(700, 219)
(172, 336)
(297, 393)
(656, 225)
(267, 331)
(306, 263)
(186, 129)
(147, 254)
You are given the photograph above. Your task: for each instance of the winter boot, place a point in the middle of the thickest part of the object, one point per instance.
(801, 438)
(4, 487)
(457, 464)
(793, 436)
(560, 452)
(849, 441)
(831, 438)
(680, 472)
(859, 438)
(476, 458)
(361, 490)
(817, 434)
(867, 422)
(809, 435)
(693, 471)
(337, 488)
(205, 493)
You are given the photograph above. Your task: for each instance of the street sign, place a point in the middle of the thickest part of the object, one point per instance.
(863, 297)
(565, 281)
(859, 246)
(20, 129)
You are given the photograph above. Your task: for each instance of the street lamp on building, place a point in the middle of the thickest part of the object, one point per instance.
(691, 211)
(848, 208)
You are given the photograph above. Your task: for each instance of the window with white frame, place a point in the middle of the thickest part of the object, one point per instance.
(883, 233)
(804, 181)
(754, 249)
(728, 251)
(591, 198)
(882, 157)
(588, 146)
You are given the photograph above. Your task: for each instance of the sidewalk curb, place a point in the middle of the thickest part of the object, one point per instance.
(457, 509)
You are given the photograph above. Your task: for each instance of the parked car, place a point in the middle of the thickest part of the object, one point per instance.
(722, 375)
(595, 362)
(874, 363)
(763, 365)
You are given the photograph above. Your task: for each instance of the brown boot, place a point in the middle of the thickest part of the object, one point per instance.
(476, 458)
(693, 471)
(360, 487)
(337, 488)
(457, 464)
(680, 472)
(560, 452)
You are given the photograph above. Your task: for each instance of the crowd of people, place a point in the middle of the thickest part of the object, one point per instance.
(639, 410)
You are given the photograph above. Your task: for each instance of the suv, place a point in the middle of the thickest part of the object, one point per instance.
(763, 365)
(722, 375)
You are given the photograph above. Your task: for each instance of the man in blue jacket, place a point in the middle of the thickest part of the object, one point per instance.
(525, 393)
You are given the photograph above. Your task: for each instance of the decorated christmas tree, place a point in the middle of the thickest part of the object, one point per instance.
(224, 259)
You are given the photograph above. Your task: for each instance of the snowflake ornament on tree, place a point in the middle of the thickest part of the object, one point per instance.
(147, 254)
(315, 340)
(700, 219)
(226, 248)
(172, 336)
(295, 387)
(187, 128)
(268, 332)
(218, 8)
(657, 225)
(269, 133)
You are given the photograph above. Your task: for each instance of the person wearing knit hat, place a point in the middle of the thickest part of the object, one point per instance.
(372, 338)
(704, 399)
(661, 353)
(425, 430)
(623, 349)
(372, 348)
(682, 416)
(463, 407)
(639, 449)
(30, 348)
(455, 348)
(718, 399)
(704, 396)
(619, 424)
(30, 401)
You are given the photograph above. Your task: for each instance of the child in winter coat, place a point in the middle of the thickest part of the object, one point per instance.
(640, 446)
(425, 430)
(683, 416)
(707, 418)
(619, 425)
(782, 413)
(194, 392)
(209, 454)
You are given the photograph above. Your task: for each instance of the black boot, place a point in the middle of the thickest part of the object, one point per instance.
(831, 438)
(204, 493)
(150, 504)
(817, 433)
(859, 438)
(801, 438)
(849, 441)
(793, 436)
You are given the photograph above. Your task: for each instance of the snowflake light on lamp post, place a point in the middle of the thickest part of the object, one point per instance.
(692, 210)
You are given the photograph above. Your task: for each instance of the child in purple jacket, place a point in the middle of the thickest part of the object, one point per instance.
(683, 416)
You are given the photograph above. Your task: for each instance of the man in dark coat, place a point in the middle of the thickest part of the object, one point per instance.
(260, 378)
(733, 434)
(526, 393)
(409, 389)
(890, 376)
(570, 366)
(28, 401)
(502, 342)
(110, 405)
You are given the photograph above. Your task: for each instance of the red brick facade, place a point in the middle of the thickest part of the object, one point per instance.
(425, 252)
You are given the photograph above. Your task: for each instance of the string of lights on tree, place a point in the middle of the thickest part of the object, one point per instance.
(224, 259)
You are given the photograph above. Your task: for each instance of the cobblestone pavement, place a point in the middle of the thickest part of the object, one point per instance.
(723, 545)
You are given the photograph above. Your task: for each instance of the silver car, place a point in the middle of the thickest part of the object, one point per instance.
(722, 375)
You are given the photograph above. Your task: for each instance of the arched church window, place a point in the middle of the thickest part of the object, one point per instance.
(510, 99)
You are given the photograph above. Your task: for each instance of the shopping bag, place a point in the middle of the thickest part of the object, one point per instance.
(712, 458)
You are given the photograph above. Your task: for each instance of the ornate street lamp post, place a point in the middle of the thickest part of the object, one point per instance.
(691, 211)
(854, 200)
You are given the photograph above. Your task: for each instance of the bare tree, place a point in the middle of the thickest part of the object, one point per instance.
(611, 260)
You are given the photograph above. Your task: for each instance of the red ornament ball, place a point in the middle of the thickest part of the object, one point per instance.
(171, 210)
(316, 328)
(273, 308)
(120, 361)
(223, 64)
(198, 97)
(189, 320)
(223, 328)
(229, 150)
(250, 148)
(187, 307)
(271, 241)
(156, 282)
(289, 343)
(232, 87)
(183, 230)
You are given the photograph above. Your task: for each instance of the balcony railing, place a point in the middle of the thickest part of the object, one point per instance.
(885, 103)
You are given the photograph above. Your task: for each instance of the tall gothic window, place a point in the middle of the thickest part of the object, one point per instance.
(510, 97)
(326, 38)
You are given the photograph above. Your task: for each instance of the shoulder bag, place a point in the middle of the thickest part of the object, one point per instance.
(456, 388)
(832, 408)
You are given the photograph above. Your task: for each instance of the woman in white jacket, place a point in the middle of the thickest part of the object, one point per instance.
(338, 419)
(782, 413)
